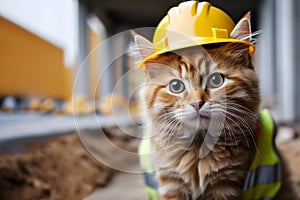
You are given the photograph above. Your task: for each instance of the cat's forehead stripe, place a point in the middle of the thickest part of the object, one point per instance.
(183, 68)
(208, 66)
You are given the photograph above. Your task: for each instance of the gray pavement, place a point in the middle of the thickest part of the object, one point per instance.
(124, 186)
(31, 124)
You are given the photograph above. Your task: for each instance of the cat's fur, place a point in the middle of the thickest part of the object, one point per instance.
(179, 133)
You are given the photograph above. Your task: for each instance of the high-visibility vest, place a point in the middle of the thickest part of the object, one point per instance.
(264, 178)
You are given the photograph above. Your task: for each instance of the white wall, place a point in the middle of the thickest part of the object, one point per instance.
(277, 62)
(54, 20)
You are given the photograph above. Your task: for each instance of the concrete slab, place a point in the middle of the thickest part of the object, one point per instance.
(124, 186)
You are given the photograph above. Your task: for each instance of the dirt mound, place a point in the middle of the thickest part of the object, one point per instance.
(290, 152)
(60, 169)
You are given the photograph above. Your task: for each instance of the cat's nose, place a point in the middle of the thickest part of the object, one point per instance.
(197, 105)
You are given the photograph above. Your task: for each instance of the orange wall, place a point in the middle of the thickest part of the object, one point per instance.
(29, 65)
(94, 40)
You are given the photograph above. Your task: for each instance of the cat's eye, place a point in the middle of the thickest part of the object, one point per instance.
(215, 80)
(176, 86)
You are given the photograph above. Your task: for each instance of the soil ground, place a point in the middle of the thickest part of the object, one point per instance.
(62, 169)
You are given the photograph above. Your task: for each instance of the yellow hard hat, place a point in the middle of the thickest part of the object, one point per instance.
(193, 23)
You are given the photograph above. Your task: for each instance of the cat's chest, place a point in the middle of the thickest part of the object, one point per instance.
(195, 171)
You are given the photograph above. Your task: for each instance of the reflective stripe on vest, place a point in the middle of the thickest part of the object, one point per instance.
(150, 180)
(264, 176)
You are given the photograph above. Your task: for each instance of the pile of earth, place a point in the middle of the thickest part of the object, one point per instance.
(60, 168)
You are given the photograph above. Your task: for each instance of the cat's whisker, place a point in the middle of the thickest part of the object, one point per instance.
(241, 109)
(162, 117)
(173, 132)
(251, 115)
(230, 128)
(255, 34)
(166, 125)
(230, 135)
(232, 117)
(226, 127)
(242, 131)
(167, 130)
(167, 114)
(244, 124)
(228, 108)
(230, 131)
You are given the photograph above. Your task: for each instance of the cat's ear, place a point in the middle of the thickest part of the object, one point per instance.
(144, 46)
(146, 49)
(242, 31)
(156, 71)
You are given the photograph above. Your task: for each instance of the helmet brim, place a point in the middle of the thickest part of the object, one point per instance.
(196, 42)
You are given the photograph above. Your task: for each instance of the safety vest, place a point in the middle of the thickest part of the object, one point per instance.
(264, 178)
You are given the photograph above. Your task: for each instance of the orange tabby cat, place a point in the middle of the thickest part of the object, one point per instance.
(201, 92)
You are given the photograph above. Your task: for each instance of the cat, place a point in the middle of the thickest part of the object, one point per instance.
(191, 94)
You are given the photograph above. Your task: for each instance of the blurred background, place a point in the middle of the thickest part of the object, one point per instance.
(44, 43)
(55, 52)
